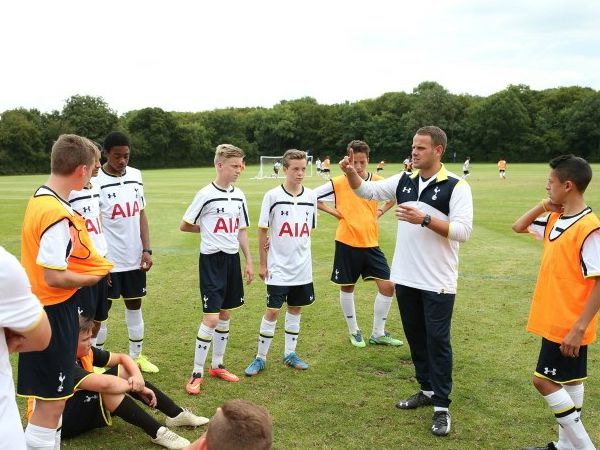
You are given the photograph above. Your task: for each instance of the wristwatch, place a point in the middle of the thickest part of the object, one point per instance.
(426, 220)
(147, 250)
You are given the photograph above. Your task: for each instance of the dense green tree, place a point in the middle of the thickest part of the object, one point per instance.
(21, 142)
(89, 116)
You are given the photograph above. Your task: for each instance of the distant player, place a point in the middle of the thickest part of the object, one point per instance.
(502, 169)
(325, 167)
(564, 309)
(276, 167)
(408, 165)
(357, 251)
(123, 210)
(92, 301)
(380, 166)
(219, 212)
(466, 165)
(287, 216)
(100, 396)
(319, 166)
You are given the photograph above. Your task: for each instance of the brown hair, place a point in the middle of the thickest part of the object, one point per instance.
(358, 147)
(574, 169)
(226, 151)
(86, 324)
(438, 136)
(240, 424)
(292, 154)
(71, 151)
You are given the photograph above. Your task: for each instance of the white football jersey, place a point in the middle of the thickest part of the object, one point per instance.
(121, 201)
(221, 214)
(290, 220)
(87, 203)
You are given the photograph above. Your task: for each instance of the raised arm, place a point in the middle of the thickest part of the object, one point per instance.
(522, 223)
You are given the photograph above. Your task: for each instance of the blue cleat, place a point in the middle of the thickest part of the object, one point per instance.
(258, 365)
(292, 360)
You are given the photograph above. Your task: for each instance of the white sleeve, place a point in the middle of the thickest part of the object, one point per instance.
(538, 227)
(246, 223)
(55, 246)
(265, 211)
(461, 213)
(314, 225)
(590, 255)
(381, 190)
(19, 308)
(142, 195)
(192, 214)
(325, 192)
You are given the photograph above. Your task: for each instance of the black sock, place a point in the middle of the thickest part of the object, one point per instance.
(130, 412)
(163, 403)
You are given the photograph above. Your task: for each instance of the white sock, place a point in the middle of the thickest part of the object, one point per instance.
(39, 438)
(576, 393)
(135, 328)
(568, 418)
(220, 339)
(427, 393)
(439, 408)
(381, 308)
(347, 304)
(203, 340)
(292, 330)
(265, 337)
(102, 335)
(58, 435)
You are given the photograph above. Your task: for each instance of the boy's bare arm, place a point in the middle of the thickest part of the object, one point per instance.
(523, 222)
(329, 210)
(66, 279)
(188, 227)
(249, 269)
(570, 345)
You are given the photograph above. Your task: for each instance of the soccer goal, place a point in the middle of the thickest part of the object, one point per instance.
(268, 165)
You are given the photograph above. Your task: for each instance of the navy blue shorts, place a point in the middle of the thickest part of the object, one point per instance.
(92, 301)
(302, 295)
(558, 368)
(130, 285)
(349, 263)
(221, 284)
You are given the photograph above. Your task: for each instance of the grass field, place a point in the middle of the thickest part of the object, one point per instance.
(346, 399)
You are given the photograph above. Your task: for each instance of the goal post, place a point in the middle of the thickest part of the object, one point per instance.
(267, 163)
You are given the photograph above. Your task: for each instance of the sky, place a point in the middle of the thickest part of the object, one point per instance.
(195, 55)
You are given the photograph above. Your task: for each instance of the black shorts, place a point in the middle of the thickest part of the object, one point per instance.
(465, 172)
(130, 285)
(221, 285)
(349, 263)
(48, 374)
(85, 411)
(553, 366)
(302, 295)
(92, 301)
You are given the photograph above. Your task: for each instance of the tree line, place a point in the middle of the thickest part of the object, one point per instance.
(517, 124)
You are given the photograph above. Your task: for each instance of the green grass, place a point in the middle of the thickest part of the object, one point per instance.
(346, 399)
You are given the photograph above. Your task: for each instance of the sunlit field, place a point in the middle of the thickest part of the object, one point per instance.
(346, 398)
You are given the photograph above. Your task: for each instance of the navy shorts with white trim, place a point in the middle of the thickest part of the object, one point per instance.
(92, 301)
(129, 285)
(349, 263)
(221, 285)
(48, 374)
(302, 295)
(558, 368)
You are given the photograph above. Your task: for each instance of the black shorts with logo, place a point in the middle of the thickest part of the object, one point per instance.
(349, 263)
(48, 374)
(302, 295)
(130, 285)
(558, 368)
(221, 284)
(92, 301)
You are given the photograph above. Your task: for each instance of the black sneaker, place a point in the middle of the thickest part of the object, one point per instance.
(550, 446)
(415, 401)
(441, 423)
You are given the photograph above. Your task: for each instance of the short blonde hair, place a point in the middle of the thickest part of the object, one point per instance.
(292, 154)
(226, 151)
(71, 151)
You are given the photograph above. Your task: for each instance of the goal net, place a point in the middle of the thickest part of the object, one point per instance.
(268, 165)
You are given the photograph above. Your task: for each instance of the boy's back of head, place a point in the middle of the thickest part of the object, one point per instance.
(572, 168)
(69, 152)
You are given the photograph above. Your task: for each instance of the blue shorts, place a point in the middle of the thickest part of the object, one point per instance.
(221, 284)
(302, 295)
(349, 263)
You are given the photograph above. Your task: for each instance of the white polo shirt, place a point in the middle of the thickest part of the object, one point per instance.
(87, 203)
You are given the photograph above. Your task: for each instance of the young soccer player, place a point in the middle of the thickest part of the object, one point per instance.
(122, 208)
(326, 167)
(287, 216)
(219, 212)
(466, 165)
(59, 258)
(357, 249)
(564, 309)
(93, 299)
(100, 396)
(380, 166)
(502, 169)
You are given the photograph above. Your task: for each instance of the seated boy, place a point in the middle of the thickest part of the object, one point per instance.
(98, 396)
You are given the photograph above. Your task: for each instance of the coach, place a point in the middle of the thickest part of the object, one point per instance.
(435, 213)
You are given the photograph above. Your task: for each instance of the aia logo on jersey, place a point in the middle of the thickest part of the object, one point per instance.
(130, 210)
(294, 229)
(93, 226)
(227, 226)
